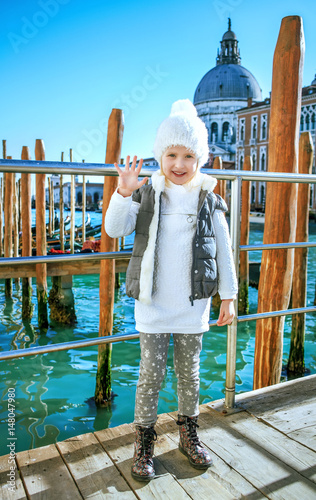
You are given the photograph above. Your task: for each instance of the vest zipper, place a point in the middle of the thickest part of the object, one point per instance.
(202, 197)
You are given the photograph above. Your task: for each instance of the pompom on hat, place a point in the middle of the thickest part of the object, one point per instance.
(183, 127)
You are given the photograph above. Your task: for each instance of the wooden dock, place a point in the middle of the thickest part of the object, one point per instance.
(265, 448)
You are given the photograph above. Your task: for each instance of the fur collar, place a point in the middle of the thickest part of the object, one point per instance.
(201, 181)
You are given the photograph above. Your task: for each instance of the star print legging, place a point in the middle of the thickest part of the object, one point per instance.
(186, 359)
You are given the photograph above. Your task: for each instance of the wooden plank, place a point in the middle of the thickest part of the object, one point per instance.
(45, 475)
(278, 444)
(119, 444)
(221, 480)
(306, 436)
(266, 472)
(93, 471)
(278, 396)
(7, 490)
(60, 269)
(224, 473)
(292, 418)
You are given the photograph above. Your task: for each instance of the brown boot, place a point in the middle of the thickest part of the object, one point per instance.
(190, 444)
(143, 465)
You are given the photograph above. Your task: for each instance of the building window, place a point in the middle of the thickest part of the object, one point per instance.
(302, 123)
(241, 163)
(254, 127)
(262, 194)
(253, 194)
(263, 127)
(307, 122)
(263, 161)
(214, 132)
(242, 132)
(313, 121)
(242, 129)
(253, 162)
(225, 131)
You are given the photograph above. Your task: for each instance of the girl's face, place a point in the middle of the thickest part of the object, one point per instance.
(179, 164)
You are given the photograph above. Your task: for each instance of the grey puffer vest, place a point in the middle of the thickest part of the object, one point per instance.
(204, 270)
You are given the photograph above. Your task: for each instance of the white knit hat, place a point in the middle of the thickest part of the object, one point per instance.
(183, 127)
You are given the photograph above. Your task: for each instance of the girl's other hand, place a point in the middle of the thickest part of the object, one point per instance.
(226, 313)
(128, 178)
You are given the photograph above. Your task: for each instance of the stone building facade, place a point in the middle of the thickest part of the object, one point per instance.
(253, 139)
(221, 92)
(94, 191)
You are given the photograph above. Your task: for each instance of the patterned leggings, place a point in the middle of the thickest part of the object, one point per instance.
(186, 359)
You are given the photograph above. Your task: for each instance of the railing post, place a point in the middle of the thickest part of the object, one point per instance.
(232, 329)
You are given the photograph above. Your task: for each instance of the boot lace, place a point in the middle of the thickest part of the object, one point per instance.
(191, 425)
(149, 436)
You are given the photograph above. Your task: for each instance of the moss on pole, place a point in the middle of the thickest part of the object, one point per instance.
(296, 364)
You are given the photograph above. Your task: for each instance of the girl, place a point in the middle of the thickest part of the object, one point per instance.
(181, 257)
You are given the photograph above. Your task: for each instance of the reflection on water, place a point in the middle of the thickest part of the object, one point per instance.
(54, 391)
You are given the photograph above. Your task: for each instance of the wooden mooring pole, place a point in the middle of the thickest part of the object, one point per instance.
(72, 209)
(83, 233)
(243, 296)
(61, 298)
(8, 223)
(296, 365)
(41, 273)
(50, 208)
(16, 204)
(61, 209)
(26, 195)
(1, 216)
(107, 268)
(7, 211)
(281, 200)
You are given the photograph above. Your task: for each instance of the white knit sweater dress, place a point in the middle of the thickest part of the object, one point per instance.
(170, 310)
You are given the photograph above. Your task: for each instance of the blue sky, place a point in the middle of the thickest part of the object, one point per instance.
(67, 63)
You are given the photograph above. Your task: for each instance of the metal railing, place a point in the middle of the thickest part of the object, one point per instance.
(235, 176)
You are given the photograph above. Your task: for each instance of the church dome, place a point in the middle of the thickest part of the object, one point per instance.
(227, 81)
(229, 35)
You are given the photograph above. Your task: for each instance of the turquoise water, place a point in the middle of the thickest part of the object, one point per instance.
(53, 391)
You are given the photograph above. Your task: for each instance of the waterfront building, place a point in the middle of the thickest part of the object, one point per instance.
(253, 139)
(94, 191)
(221, 92)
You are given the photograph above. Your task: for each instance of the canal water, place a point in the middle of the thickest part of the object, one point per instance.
(54, 392)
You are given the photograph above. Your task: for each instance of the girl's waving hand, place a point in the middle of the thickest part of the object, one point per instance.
(128, 178)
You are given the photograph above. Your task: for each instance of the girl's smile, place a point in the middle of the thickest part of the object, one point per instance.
(179, 164)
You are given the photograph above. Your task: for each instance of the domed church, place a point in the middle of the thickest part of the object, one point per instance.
(224, 89)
